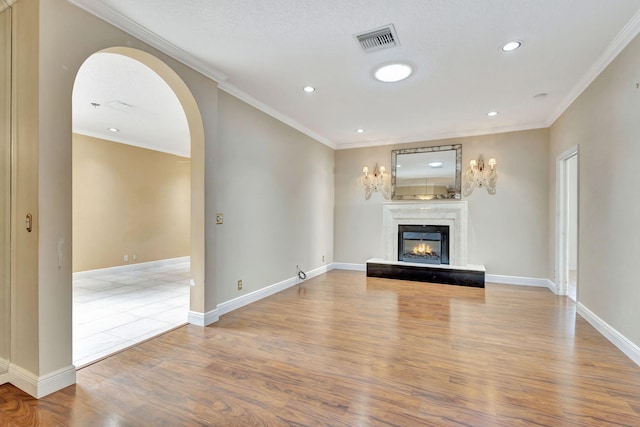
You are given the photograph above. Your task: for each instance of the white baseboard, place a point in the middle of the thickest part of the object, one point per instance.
(520, 281)
(623, 343)
(132, 267)
(203, 319)
(41, 386)
(348, 266)
(254, 296)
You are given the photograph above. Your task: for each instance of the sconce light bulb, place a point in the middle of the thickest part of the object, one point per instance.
(492, 163)
(473, 164)
(381, 170)
(365, 170)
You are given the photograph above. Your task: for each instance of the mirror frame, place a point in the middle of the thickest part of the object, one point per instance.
(458, 178)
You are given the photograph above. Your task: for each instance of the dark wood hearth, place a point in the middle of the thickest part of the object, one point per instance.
(449, 275)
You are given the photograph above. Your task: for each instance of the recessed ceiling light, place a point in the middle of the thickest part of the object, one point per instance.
(114, 129)
(492, 113)
(360, 130)
(511, 46)
(393, 72)
(309, 89)
(435, 164)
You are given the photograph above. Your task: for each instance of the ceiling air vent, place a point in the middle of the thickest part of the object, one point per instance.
(378, 39)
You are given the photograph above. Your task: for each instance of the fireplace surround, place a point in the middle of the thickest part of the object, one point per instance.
(452, 215)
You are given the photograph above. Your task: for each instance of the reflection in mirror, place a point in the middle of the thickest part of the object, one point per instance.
(5, 194)
(426, 173)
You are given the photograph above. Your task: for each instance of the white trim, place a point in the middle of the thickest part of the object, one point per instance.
(42, 386)
(623, 343)
(624, 37)
(125, 24)
(561, 236)
(434, 136)
(243, 96)
(203, 319)
(347, 266)
(520, 281)
(132, 267)
(254, 296)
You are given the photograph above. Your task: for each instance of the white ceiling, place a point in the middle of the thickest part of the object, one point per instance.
(115, 91)
(265, 52)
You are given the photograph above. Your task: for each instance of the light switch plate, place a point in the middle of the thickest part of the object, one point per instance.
(219, 218)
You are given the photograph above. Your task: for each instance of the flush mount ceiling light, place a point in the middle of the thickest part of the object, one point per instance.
(360, 130)
(309, 89)
(511, 46)
(114, 129)
(492, 113)
(392, 73)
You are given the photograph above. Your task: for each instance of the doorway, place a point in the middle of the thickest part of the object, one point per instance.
(567, 220)
(131, 206)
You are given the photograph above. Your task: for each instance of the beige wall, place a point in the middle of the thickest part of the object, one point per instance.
(5, 186)
(507, 231)
(604, 123)
(128, 200)
(275, 189)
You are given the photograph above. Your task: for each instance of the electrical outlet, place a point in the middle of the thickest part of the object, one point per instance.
(322, 258)
(219, 218)
(239, 285)
(126, 258)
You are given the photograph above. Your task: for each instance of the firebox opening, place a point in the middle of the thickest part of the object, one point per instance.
(427, 244)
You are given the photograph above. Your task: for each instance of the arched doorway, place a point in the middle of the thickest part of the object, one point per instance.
(156, 232)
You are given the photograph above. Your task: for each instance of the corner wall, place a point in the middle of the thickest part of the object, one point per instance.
(604, 122)
(507, 231)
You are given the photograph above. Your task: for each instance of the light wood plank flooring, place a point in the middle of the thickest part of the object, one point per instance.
(344, 350)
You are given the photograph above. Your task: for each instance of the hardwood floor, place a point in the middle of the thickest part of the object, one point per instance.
(344, 350)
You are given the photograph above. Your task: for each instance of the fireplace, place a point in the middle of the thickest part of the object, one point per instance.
(426, 244)
(450, 219)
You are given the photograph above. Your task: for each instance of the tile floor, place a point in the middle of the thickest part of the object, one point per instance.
(112, 311)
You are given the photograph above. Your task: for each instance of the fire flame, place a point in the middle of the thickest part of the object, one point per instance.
(422, 249)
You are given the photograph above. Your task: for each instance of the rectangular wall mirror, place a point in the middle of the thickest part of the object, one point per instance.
(426, 173)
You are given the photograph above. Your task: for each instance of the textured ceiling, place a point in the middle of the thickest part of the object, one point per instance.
(115, 91)
(265, 52)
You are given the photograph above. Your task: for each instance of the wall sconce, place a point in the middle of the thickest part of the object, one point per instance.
(478, 176)
(374, 182)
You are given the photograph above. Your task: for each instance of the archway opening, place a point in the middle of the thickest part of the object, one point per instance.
(135, 197)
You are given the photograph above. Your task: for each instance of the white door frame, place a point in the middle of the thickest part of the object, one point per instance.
(562, 224)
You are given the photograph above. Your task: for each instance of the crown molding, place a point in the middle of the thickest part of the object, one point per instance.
(624, 37)
(127, 25)
(5, 4)
(442, 135)
(243, 96)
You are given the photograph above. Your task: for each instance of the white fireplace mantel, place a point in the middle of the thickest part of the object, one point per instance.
(451, 213)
